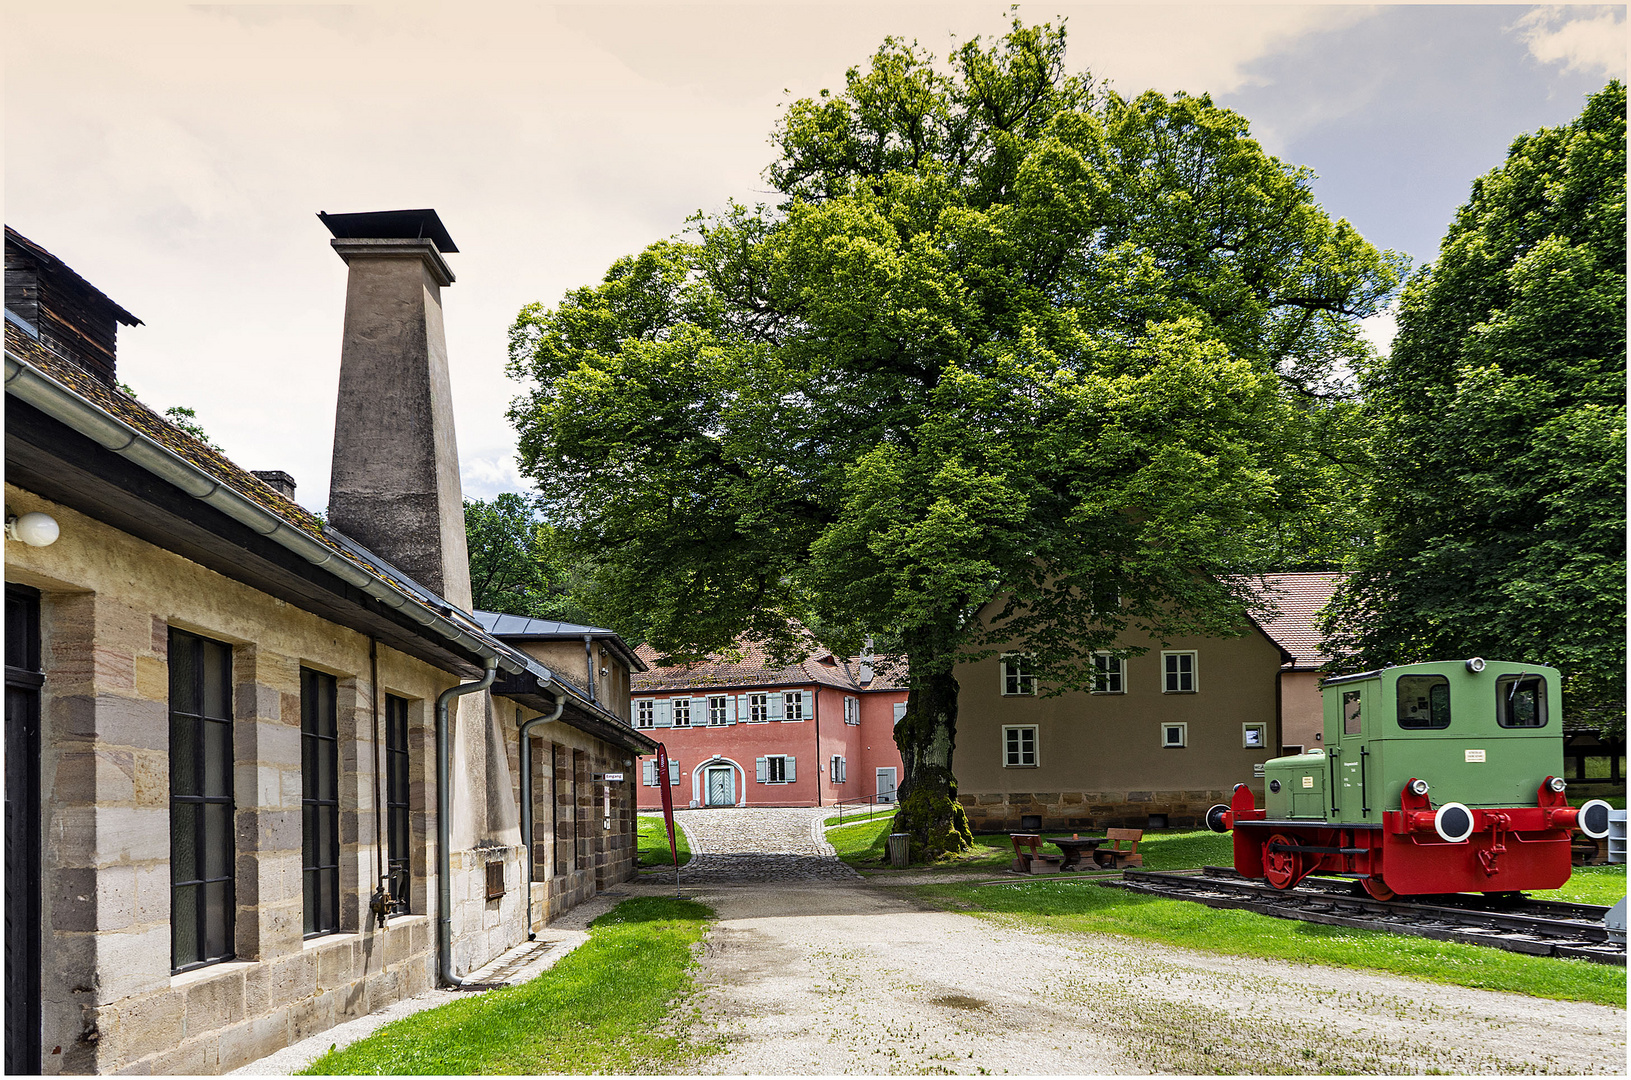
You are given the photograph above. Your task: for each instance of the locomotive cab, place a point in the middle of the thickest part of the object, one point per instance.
(1435, 777)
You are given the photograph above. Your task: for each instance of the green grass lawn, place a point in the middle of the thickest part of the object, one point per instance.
(653, 847)
(597, 1011)
(1589, 885)
(1078, 905)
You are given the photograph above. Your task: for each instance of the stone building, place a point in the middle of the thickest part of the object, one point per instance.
(744, 731)
(233, 819)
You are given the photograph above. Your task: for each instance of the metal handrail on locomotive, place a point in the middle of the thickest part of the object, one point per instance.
(1434, 778)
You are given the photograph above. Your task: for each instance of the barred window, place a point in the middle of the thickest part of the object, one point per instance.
(320, 804)
(398, 864)
(202, 885)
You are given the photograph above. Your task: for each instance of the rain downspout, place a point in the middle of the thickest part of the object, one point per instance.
(526, 794)
(444, 840)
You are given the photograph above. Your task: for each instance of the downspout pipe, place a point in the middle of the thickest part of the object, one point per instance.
(444, 839)
(526, 793)
(589, 664)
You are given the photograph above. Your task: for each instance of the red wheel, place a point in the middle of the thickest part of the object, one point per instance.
(1377, 888)
(1282, 868)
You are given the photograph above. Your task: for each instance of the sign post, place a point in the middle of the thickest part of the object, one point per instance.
(668, 811)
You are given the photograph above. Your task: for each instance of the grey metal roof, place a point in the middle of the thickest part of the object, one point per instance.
(523, 628)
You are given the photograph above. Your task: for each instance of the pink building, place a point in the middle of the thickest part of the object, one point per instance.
(747, 733)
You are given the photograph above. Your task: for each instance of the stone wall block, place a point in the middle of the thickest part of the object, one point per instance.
(159, 642)
(113, 667)
(255, 701)
(152, 778)
(196, 1057)
(132, 962)
(1141, 796)
(215, 1002)
(310, 1015)
(294, 979)
(152, 678)
(146, 1025)
(152, 889)
(73, 901)
(257, 990)
(334, 966)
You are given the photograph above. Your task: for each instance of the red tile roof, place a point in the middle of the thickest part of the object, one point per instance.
(1293, 602)
(750, 665)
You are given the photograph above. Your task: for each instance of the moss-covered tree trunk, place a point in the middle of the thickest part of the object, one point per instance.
(929, 811)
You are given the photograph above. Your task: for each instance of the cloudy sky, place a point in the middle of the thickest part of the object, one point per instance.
(176, 155)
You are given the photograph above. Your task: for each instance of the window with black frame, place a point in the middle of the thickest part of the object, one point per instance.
(320, 806)
(1520, 701)
(202, 891)
(398, 863)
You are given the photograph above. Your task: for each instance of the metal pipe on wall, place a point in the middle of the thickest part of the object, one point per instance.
(444, 856)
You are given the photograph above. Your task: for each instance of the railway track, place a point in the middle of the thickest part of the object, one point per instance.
(1514, 923)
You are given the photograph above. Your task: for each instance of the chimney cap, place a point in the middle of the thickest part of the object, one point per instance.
(390, 225)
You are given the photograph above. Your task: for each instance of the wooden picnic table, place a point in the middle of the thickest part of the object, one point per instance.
(1074, 847)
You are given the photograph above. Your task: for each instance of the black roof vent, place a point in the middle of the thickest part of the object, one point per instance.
(390, 225)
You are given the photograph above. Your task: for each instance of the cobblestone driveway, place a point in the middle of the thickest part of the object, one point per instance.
(758, 845)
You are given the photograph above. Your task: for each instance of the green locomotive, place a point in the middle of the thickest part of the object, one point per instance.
(1434, 778)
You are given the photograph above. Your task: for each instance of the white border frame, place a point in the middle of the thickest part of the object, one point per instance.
(1036, 745)
(1194, 670)
(1123, 661)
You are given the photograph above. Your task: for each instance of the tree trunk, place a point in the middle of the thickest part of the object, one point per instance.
(929, 811)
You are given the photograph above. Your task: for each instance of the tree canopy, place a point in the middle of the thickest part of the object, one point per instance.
(1499, 430)
(516, 567)
(1016, 362)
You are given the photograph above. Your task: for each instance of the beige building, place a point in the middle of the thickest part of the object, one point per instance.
(233, 816)
(1297, 599)
(1160, 738)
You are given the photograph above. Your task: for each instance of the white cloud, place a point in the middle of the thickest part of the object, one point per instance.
(484, 475)
(1588, 39)
(1380, 329)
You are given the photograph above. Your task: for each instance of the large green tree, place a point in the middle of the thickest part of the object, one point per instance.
(1499, 497)
(1016, 363)
(516, 565)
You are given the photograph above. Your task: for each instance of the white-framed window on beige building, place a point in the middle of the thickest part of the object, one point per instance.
(1254, 736)
(1017, 677)
(682, 712)
(1174, 736)
(1019, 747)
(1109, 674)
(645, 714)
(1178, 672)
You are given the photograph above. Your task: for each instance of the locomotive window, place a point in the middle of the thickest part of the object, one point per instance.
(1424, 702)
(1520, 701)
(1350, 713)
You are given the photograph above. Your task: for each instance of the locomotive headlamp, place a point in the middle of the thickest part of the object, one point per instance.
(1418, 787)
(1475, 665)
(1556, 783)
(1593, 819)
(1453, 822)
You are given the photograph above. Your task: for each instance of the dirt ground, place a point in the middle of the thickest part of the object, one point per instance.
(856, 978)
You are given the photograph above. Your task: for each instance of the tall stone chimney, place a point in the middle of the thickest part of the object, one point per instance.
(395, 480)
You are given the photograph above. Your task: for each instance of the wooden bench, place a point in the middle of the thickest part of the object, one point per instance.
(1027, 859)
(1115, 857)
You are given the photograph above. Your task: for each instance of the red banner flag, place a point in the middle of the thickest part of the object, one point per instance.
(668, 809)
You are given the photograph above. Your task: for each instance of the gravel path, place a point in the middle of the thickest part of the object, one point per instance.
(844, 976)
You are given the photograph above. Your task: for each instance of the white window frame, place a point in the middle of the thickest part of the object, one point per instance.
(777, 763)
(1183, 735)
(1262, 742)
(836, 771)
(1036, 754)
(1172, 681)
(1022, 683)
(1108, 680)
(682, 708)
(645, 713)
(758, 708)
(717, 713)
(793, 705)
(852, 711)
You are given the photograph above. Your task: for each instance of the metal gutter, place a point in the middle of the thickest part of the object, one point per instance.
(27, 383)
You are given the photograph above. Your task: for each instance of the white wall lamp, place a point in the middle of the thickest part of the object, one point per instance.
(34, 528)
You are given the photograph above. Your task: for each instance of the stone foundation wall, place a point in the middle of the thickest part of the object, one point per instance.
(1079, 810)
